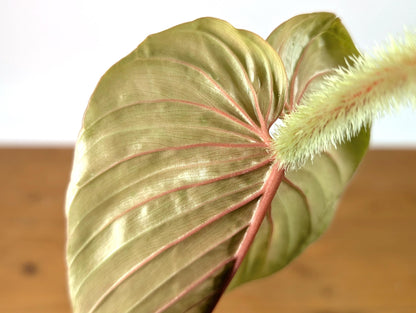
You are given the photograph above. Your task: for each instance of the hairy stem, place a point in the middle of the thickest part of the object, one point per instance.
(375, 84)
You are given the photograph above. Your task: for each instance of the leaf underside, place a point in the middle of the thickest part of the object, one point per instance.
(173, 171)
(170, 168)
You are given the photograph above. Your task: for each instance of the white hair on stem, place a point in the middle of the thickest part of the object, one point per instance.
(371, 86)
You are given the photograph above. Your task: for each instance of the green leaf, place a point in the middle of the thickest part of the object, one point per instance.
(310, 46)
(172, 171)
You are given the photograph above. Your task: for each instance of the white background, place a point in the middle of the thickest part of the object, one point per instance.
(53, 52)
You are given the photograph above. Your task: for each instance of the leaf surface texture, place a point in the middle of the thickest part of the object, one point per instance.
(170, 169)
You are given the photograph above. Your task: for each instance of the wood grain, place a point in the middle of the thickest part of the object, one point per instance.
(365, 263)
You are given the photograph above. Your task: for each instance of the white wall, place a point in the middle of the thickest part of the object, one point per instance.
(52, 52)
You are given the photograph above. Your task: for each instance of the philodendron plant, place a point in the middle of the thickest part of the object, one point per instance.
(209, 157)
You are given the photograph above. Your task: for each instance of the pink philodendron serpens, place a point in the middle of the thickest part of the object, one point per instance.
(193, 170)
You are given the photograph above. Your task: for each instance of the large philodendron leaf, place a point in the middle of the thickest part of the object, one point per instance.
(310, 46)
(172, 171)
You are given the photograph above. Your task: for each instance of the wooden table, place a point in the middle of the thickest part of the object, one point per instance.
(365, 263)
